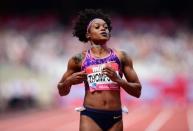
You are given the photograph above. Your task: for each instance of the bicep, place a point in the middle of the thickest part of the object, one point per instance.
(66, 75)
(72, 67)
(130, 74)
(128, 70)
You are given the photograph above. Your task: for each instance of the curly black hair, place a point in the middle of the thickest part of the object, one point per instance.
(85, 16)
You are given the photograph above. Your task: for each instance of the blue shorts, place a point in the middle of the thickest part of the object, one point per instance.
(105, 119)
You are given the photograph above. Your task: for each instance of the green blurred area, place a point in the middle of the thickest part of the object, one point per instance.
(44, 90)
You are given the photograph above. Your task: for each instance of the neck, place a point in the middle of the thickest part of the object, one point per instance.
(99, 49)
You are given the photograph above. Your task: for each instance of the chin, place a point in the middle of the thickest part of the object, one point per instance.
(102, 41)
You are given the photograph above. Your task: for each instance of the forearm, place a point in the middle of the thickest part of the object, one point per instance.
(131, 88)
(64, 87)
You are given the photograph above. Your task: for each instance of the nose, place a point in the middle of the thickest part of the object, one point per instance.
(103, 28)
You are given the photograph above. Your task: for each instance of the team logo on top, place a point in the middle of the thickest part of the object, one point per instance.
(99, 81)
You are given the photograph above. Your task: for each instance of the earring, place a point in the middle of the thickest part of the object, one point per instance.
(87, 36)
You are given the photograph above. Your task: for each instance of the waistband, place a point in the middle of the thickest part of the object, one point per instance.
(103, 111)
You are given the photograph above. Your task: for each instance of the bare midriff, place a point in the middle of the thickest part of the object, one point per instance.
(104, 100)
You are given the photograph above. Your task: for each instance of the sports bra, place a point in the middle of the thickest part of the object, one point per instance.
(93, 67)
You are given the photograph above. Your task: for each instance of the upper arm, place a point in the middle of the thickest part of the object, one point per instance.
(74, 65)
(128, 69)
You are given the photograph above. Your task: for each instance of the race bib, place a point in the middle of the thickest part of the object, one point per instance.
(99, 81)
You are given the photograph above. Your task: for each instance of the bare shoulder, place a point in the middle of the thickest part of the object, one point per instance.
(75, 61)
(79, 57)
(124, 57)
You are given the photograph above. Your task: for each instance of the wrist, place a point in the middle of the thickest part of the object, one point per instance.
(119, 81)
(68, 82)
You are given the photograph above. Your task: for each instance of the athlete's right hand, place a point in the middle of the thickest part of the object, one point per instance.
(78, 77)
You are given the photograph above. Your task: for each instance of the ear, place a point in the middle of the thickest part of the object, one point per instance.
(87, 35)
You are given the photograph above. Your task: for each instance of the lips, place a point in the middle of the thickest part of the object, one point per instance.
(104, 34)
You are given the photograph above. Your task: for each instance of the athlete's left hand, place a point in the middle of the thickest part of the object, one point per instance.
(111, 73)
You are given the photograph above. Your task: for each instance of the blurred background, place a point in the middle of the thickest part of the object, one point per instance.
(36, 43)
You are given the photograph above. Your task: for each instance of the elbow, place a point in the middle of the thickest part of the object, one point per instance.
(62, 93)
(138, 94)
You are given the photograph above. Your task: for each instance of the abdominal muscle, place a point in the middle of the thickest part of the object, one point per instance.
(104, 99)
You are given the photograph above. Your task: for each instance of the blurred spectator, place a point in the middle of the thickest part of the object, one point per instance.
(38, 48)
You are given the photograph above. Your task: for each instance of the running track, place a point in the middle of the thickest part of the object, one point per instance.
(139, 118)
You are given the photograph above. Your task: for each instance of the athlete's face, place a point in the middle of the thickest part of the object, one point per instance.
(98, 31)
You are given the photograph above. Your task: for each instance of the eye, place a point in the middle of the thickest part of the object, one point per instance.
(96, 27)
(105, 26)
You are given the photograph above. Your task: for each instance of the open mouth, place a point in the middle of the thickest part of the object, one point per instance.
(104, 34)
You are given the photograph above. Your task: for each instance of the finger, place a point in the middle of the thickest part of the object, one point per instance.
(107, 71)
(83, 71)
(81, 78)
(109, 68)
(81, 74)
(78, 80)
(84, 79)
